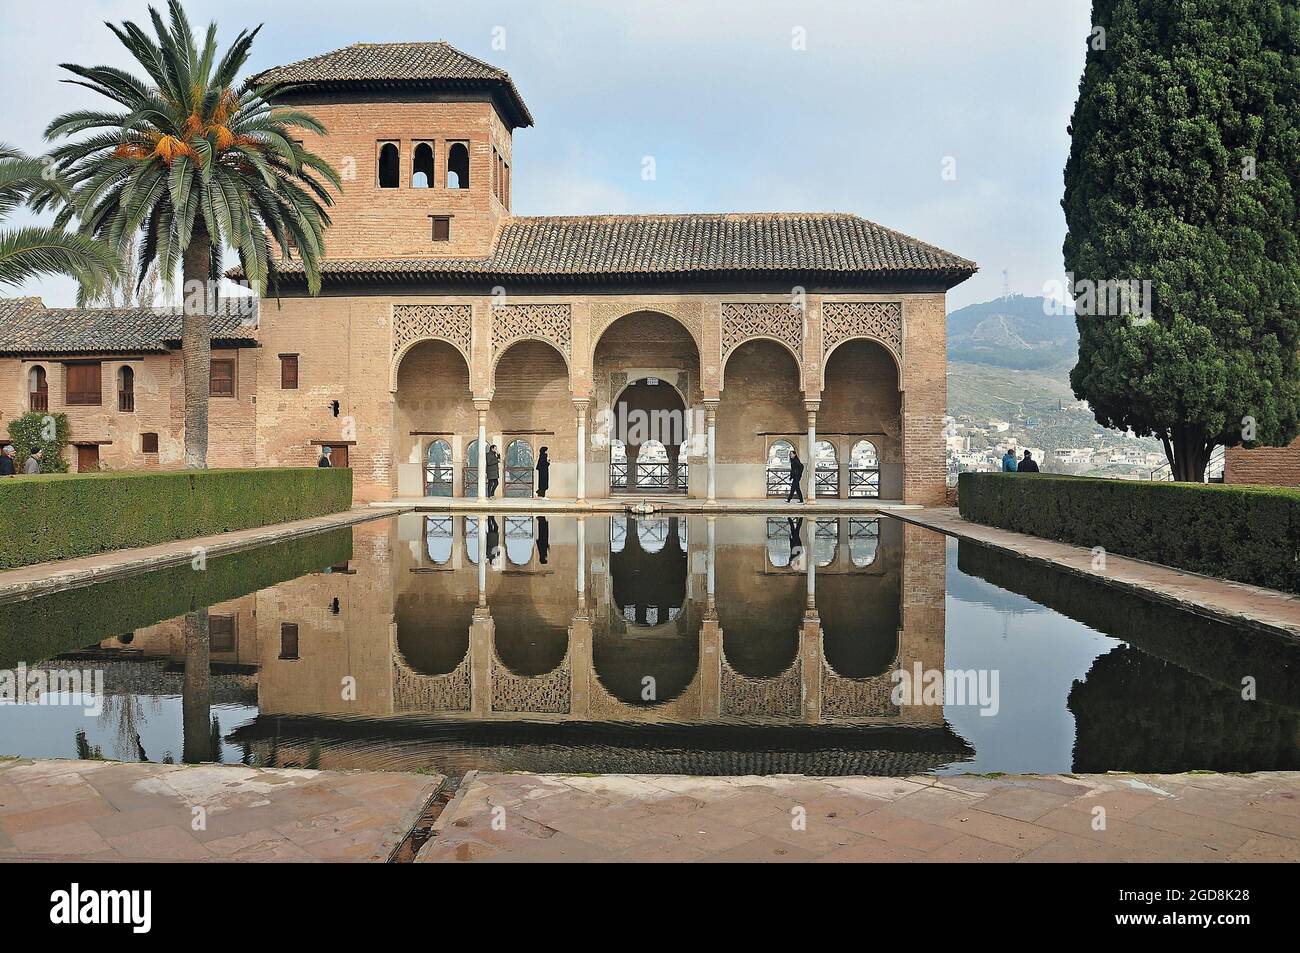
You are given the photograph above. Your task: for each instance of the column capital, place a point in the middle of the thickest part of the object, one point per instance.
(812, 406)
(580, 404)
(482, 404)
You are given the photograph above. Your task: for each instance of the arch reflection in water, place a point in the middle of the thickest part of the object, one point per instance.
(532, 664)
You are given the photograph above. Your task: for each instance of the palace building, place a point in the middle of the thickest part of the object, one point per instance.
(446, 323)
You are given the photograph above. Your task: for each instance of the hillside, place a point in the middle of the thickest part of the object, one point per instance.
(1012, 332)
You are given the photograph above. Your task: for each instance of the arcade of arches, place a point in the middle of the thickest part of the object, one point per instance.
(680, 619)
(698, 396)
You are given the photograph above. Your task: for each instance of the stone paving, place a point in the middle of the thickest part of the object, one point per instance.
(109, 811)
(1183, 818)
(1235, 602)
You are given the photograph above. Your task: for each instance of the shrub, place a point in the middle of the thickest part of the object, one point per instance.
(1246, 533)
(64, 515)
(37, 629)
(33, 429)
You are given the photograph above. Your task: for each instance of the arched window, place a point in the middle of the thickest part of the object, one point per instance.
(390, 166)
(864, 470)
(519, 469)
(422, 167)
(778, 468)
(39, 389)
(471, 539)
(438, 469)
(471, 470)
(617, 464)
(826, 540)
(519, 540)
(438, 532)
(652, 534)
(652, 466)
(828, 469)
(458, 166)
(864, 540)
(126, 390)
(782, 538)
(617, 533)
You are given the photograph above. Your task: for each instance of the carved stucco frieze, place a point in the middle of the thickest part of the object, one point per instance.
(878, 320)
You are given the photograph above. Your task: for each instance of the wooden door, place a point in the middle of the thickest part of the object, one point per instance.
(87, 458)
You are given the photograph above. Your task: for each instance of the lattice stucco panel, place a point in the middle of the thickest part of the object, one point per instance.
(771, 319)
(551, 693)
(413, 692)
(453, 322)
(879, 320)
(762, 696)
(547, 322)
(690, 314)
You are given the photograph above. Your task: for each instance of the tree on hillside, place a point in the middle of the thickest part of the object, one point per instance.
(194, 165)
(38, 250)
(1184, 172)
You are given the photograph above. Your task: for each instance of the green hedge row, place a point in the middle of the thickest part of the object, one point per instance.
(34, 630)
(58, 516)
(1246, 533)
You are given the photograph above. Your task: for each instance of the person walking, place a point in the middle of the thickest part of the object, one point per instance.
(324, 460)
(493, 470)
(1008, 462)
(33, 464)
(796, 477)
(1027, 464)
(8, 464)
(543, 473)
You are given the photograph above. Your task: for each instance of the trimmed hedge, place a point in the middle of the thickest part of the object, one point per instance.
(1246, 533)
(59, 516)
(34, 630)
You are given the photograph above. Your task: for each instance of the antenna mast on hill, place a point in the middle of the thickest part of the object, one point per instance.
(1006, 284)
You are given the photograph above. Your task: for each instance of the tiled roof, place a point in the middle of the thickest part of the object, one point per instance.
(28, 327)
(368, 64)
(664, 246)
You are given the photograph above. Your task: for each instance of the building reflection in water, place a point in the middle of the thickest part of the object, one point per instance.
(660, 620)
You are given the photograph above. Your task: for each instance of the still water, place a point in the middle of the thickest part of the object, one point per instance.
(727, 645)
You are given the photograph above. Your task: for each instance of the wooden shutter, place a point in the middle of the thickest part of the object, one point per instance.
(84, 385)
(288, 371)
(222, 381)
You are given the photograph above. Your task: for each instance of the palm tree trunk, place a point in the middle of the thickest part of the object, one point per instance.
(196, 344)
(196, 691)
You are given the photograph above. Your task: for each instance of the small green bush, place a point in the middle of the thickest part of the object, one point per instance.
(33, 430)
(1246, 533)
(65, 515)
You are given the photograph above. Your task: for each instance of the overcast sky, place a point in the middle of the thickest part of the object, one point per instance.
(861, 120)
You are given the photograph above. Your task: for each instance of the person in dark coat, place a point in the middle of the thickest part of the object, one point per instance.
(493, 470)
(8, 461)
(543, 539)
(796, 477)
(324, 460)
(543, 473)
(493, 542)
(1027, 464)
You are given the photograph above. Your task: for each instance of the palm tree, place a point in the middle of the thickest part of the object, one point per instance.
(40, 250)
(194, 165)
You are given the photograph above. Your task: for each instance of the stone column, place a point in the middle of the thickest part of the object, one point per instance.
(580, 410)
(482, 407)
(711, 419)
(580, 637)
(712, 556)
(812, 451)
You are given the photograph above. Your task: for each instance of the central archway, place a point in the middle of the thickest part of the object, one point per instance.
(644, 364)
(649, 429)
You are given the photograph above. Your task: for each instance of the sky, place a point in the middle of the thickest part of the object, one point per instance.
(943, 119)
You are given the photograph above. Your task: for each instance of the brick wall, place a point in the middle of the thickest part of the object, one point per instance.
(1272, 466)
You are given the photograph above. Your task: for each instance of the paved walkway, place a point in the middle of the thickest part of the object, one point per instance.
(1182, 817)
(109, 811)
(1234, 602)
(45, 578)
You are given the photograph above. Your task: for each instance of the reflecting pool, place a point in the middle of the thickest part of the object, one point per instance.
(700, 645)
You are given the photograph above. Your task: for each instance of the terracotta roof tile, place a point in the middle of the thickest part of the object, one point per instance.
(28, 327)
(632, 246)
(361, 64)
